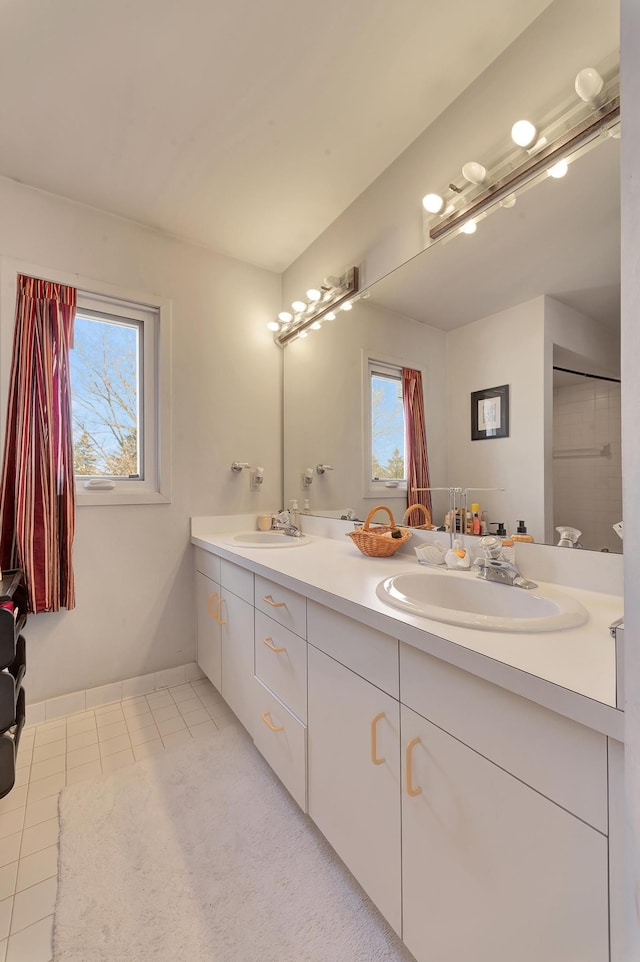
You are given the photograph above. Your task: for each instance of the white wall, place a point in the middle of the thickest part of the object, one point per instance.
(323, 416)
(134, 582)
(382, 228)
(506, 348)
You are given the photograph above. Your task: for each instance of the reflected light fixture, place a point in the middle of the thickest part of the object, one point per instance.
(434, 203)
(524, 133)
(469, 227)
(563, 131)
(474, 172)
(558, 170)
(589, 85)
(334, 293)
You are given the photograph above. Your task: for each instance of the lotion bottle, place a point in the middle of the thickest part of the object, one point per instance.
(476, 524)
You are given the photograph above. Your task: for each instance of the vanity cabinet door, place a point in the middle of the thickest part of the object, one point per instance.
(354, 768)
(236, 618)
(491, 869)
(209, 638)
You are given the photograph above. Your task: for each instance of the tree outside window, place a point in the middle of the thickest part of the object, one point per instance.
(106, 391)
(387, 428)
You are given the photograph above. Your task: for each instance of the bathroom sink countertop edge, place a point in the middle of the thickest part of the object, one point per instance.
(572, 670)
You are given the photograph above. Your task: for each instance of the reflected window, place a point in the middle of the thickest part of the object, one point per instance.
(387, 455)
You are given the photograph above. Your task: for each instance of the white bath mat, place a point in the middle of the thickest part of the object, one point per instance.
(200, 855)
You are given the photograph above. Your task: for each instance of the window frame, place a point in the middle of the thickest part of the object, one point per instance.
(155, 314)
(373, 363)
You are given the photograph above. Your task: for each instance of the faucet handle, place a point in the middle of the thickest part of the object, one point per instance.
(490, 546)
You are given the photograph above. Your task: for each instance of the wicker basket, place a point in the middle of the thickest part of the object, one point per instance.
(375, 542)
(426, 521)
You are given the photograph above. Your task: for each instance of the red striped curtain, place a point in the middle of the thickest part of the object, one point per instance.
(415, 443)
(37, 498)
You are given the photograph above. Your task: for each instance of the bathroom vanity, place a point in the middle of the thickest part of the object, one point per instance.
(469, 779)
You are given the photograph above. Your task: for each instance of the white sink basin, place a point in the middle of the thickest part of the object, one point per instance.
(267, 539)
(459, 598)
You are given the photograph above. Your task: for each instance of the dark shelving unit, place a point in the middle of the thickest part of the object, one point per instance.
(13, 664)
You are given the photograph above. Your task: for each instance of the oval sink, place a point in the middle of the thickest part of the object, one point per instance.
(267, 539)
(463, 599)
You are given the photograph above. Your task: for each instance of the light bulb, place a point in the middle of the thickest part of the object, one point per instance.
(523, 133)
(315, 326)
(313, 294)
(303, 334)
(434, 203)
(285, 317)
(558, 170)
(469, 227)
(346, 306)
(508, 201)
(298, 306)
(474, 172)
(273, 326)
(589, 84)
(330, 316)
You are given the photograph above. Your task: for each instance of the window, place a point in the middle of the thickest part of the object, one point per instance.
(385, 450)
(117, 406)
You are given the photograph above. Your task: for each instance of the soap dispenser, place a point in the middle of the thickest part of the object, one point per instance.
(521, 533)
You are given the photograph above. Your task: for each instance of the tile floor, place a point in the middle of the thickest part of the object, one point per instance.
(62, 752)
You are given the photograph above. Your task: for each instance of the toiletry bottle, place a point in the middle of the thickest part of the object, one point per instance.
(476, 524)
(508, 550)
(295, 513)
(521, 533)
(306, 507)
(501, 531)
(484, 525)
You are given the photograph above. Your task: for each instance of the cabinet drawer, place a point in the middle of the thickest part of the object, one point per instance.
(370, 653)
(237, 580)
(560, 758)
(283, 670)
(207, 563)
(282, 739)
(282, 604)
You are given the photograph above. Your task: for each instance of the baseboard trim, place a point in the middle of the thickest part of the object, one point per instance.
(90, 698)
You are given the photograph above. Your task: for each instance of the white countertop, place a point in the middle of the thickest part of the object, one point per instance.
(572, 671)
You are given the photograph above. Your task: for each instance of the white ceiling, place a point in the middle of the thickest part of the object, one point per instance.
(244, 126)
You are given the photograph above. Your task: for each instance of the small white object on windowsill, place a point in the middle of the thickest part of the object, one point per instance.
(100, 484)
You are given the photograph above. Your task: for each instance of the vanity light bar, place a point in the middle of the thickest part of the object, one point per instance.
(348, 285)
(566, 145)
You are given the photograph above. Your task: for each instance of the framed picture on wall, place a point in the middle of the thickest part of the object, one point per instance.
(490, 413)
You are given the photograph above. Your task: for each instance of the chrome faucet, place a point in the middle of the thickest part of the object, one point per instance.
(284, 523)
(495, 567)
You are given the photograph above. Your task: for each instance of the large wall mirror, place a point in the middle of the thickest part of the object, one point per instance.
(533, 295)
